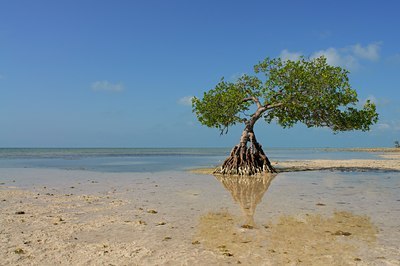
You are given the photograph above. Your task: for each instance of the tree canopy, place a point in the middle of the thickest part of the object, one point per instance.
(307, 91)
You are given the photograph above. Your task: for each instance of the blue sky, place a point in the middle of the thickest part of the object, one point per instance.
(120, 73)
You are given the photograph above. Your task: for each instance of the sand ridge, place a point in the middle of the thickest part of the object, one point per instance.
(390, 161)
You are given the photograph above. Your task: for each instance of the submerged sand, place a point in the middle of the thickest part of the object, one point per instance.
(309, 240)
(301, 218)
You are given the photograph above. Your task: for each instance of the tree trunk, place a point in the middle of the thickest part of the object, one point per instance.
(246, 159)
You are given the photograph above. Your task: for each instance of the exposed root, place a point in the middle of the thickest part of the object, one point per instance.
(245, 160)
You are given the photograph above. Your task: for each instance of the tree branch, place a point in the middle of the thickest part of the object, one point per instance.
(254, 99)
(247, 99)
(272, 106)
(257, 101)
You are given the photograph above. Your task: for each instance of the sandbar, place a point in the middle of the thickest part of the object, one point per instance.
(389, 160)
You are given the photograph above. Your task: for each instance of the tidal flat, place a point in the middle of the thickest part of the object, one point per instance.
(80, 217)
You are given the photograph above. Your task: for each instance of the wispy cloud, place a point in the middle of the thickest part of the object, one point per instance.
(394, 59)
(383, 126)
(389, 126)
(325, 34)
(186, 101)
(349, 56)
(369, 52)
(107, 86)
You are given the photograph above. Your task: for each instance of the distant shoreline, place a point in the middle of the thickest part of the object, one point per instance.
(377, 149)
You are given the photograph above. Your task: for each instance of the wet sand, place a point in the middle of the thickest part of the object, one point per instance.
(295, 218)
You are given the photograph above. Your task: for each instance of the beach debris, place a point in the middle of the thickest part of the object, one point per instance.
(341, 233)
(225, 251)
(19, 212)
(196, 242)
(58, 219)
(152, 211)
(320, 204)
(247, 226)
(161, 223)
(19, 251)
(167, 238)
(357, 259)
(141, 222)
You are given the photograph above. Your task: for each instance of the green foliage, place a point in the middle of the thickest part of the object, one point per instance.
(306, 91)
(221, 107)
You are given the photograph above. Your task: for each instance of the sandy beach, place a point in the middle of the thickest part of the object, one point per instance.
(345, 216)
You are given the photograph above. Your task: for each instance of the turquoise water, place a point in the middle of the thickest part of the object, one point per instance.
(148, 159)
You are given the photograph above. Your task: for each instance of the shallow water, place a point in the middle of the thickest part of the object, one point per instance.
(142, 203)
(150, 159)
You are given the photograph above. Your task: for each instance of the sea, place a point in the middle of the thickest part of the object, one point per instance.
(151, 159)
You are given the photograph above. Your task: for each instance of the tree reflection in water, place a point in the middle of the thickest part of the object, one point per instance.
(248, 191)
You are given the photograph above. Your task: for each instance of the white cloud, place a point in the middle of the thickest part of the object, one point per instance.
(348, 57)
(187, 101)
(336, 58)
(286, 55)
(369, 52)
(107, 86)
